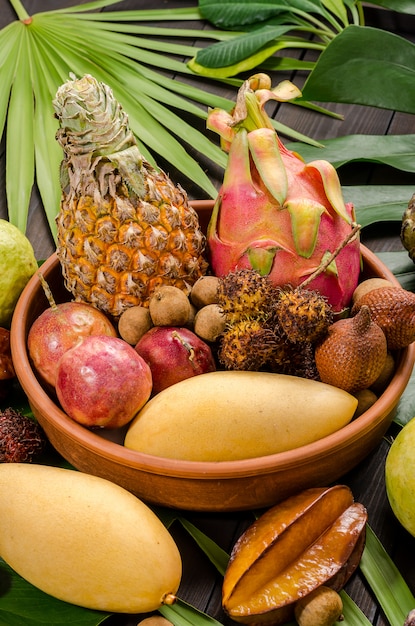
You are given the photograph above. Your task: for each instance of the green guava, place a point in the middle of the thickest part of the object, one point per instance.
(400, 476)
(17, 265)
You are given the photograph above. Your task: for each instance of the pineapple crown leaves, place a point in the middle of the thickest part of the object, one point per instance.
(93, 124)
(91, 119)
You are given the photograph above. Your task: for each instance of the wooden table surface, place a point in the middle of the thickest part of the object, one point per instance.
(201, 584)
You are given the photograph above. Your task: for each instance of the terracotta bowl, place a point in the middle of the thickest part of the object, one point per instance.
(216, 487)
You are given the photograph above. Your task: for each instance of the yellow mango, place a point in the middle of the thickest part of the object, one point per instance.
(230, 415)
(85, 540)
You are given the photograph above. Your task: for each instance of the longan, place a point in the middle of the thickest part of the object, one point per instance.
(321, 607)
(365, 399)
(210, 322)
(155, 620)
(134, 323)
(385, 376)
(205, 291)
(169, 306)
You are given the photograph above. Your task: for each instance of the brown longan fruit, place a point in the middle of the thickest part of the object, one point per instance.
(365, 399)
(134, 323)
(205, 291)
(191, 321)
(210, 322)
(169, 306)
(385, 376)
(321, 607)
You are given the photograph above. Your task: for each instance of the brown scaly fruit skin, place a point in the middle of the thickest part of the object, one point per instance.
(353, 353)
(393, 309)
(124, 228)
(314, 538)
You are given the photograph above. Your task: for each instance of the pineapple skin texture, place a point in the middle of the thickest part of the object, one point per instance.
(116, 247)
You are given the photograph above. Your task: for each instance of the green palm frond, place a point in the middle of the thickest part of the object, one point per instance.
(40, 52)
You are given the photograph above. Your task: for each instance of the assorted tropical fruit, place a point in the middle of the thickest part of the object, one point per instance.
(261, 325)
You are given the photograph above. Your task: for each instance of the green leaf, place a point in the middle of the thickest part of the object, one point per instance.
(406, 406)
(182, 614)
(22, 603)
(401, 265)
(383, 576)
(70, 47)
(231, 13)
(352, 615)
(48, 153)
(367, 66)
(150, 14)
(9, 49)
(338, 8)
(225, 53)
(216, 555)
(378, 203)
(401, 6)
(19, 141)
(394, 150)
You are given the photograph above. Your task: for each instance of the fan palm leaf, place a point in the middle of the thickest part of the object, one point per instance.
(40, 52)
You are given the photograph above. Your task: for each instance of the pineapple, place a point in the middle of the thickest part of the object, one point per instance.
(123, 228)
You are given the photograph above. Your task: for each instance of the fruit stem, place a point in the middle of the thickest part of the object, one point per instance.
(20, 11)
(169, 598)
(186, 345)
(48, 292)
(324, 265)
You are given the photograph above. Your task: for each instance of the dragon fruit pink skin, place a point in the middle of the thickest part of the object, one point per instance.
(274, 212)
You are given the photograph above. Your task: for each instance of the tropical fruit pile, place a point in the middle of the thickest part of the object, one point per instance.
(248, 324)
(271, 293)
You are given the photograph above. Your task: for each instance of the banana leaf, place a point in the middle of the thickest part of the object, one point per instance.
(366, 66)
(393, 150)
(402, 6)
(378, 203)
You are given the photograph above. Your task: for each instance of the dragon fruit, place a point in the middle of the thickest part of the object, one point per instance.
(275, 213)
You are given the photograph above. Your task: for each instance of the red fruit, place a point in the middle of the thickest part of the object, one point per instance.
(102, 382)
(58, 329)
(174, 354)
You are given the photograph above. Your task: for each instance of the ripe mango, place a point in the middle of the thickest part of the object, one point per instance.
(230, 415)
(312, 539)
(85, 540)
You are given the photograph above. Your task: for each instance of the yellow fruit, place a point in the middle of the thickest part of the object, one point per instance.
(313, 538)
(17, 265)
(229, 415)
(400, 476)
(85, 540)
